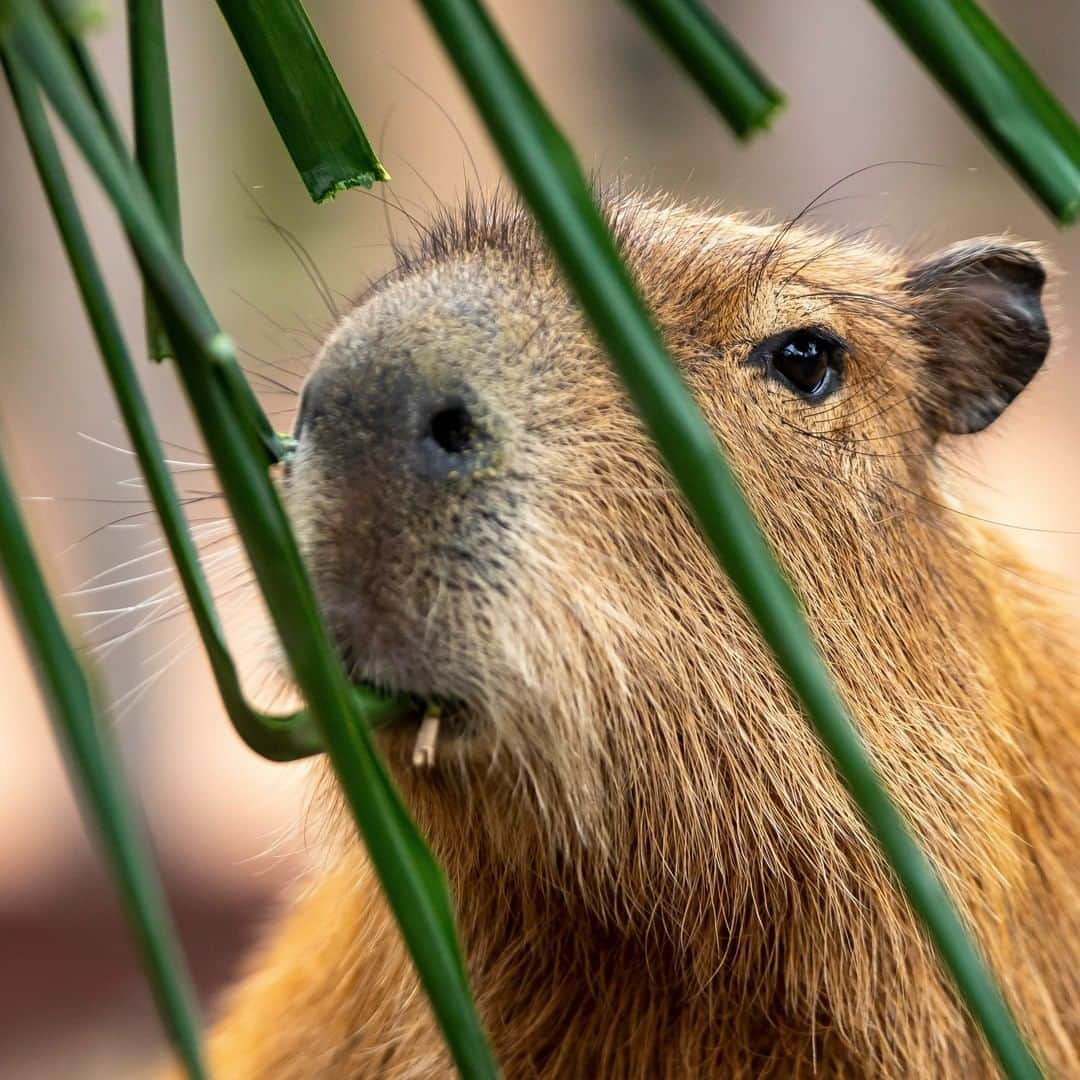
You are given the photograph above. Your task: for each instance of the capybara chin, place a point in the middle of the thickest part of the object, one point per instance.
(656, 871)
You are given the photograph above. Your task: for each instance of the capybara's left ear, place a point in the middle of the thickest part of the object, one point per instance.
(978, 308)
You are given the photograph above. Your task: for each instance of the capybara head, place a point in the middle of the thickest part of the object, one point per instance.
(488, 525)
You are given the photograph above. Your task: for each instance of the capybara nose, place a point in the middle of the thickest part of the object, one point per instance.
(394, 422)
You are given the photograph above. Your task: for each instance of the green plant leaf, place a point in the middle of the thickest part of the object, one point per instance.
(155, 148)
(552, 183)
(96, 776)
(303, 96)
(414, 885)
(78, 16)
(725, 74)
(1005, 100)
(38, 42)
(278, 738)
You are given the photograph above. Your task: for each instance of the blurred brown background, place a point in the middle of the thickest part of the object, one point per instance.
(227, 826)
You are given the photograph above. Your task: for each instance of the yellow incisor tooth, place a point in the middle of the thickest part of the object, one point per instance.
(426, 738)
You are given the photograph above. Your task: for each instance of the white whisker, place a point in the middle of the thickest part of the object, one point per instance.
(149, 659)
(220, 561)
(126, 702)
(120, 584)
(140, 605)
(125, 564)
(131, 453)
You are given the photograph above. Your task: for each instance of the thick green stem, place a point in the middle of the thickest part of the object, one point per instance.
(413, 882)
(278, 738)
(552, 183)
(78, 16)
(1005, 100)
(95, 774)
(303, 96)
(725, 74)
(71, 32)
(33, 36)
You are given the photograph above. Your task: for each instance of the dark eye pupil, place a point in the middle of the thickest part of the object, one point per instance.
(804, 362)
(809, 361)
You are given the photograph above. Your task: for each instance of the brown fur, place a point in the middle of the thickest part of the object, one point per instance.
(656, 872)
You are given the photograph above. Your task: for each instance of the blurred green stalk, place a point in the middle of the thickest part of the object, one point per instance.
(98, 780)
(411, 878)
(82, 111)
(70, 31)
(724, 73)
(341, 713)
(238, 447)
(155, 149)
(1002, 97)
(277, 738)
(78, 16)
(552, 183)
(303, 96)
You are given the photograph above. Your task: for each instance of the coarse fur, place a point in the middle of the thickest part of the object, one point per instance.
(655, 869)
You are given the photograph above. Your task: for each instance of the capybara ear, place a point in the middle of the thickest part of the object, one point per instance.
(979, 312)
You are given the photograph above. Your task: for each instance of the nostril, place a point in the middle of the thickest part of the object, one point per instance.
(454, 430)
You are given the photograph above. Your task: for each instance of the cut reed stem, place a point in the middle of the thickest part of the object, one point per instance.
(303, 96)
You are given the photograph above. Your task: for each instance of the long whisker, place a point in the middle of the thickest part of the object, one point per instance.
(120, 707)
(135, 516)
(782, 234)
(448, 118)
(131, 453)
(270, 363)
(279, 387)
(980, 518)
(297, 335)
(299, 252)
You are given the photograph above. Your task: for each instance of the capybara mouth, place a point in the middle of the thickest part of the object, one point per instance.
(425, 722)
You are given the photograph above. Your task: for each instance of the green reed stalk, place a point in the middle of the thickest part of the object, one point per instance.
(413, 882)
(278, 738)
(988, 79)
(33, 36)
(725, 74)
(238, 447)
(155, 149)
(303, 96)
(552, 183)
(97, 777)
(78, 16)
(70, 32)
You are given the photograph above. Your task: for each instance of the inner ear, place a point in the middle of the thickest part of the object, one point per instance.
(981, 319)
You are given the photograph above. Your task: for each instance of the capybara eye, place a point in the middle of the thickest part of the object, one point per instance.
(809, 361)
